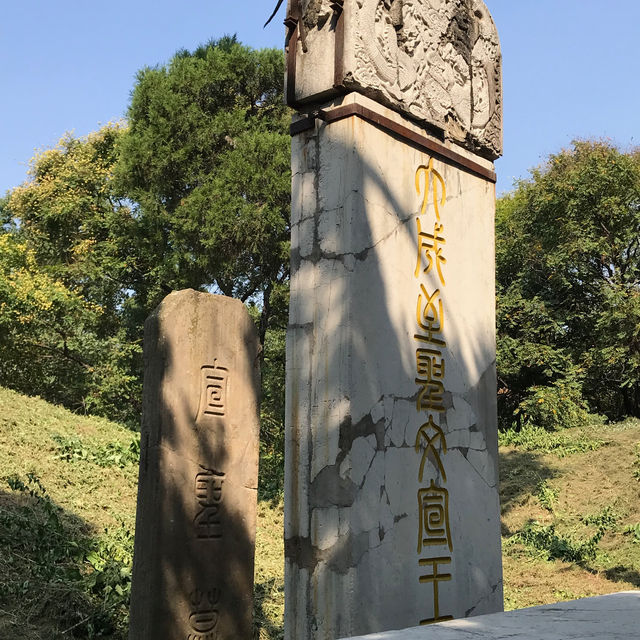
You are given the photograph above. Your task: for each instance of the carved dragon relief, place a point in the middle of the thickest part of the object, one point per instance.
(437, 60)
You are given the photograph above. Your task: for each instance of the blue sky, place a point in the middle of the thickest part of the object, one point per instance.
(570, 68)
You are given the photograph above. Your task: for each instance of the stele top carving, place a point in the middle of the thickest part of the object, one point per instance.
(438, 61)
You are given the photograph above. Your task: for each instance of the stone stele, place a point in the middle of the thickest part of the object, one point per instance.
(196, 518)
(392, 517)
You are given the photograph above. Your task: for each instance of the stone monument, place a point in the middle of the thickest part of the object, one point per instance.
(391, 500)
(196, 518)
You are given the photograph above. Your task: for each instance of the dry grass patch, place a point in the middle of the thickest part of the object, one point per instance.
(269, 573)
(568, 519)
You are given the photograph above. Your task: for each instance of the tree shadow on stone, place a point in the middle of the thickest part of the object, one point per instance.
(48, 588)
(373, 355)
(174, 594)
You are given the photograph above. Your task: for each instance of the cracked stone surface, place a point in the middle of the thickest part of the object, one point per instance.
(438, 61)
(351, 479)
(197, 491)
(614, 617)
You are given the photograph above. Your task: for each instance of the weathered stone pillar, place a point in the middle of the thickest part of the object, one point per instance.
(391, 503)
(196, 519)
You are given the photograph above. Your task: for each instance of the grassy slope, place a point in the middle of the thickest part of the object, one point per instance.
(553, 490)
(45, 578)
(600, 487)
(36, 604)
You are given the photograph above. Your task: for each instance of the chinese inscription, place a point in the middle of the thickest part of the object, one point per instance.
(435, 544)
(213, 395)
(208, 522)
(204, 614)
(208, 491)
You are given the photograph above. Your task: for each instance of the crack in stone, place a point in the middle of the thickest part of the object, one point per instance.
(469, 611)
(345, 554)
(317, 253)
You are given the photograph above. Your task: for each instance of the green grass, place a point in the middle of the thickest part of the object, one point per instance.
(68, 489)
(561, 443)
(570, 518)
(570, 513)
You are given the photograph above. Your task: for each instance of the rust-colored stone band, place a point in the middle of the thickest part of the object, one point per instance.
(405, 133)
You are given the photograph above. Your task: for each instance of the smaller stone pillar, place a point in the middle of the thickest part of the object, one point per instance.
(196, 518)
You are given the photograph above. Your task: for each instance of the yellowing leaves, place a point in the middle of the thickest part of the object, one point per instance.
(28, 294)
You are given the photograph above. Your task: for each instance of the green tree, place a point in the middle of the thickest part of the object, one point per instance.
(71, 218)
(206, 162)
(64, 267)
(568, 284)
(194, 192)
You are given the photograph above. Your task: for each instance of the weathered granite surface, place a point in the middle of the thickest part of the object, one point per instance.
(437, 61)
(196, 518)
(391, 503)
(612, 617)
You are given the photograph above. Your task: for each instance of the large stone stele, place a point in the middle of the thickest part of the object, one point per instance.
(195, 526)
(392, 517)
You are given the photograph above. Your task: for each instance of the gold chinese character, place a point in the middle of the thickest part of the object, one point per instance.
(424, 439)
(429, 316)
(430, 395)
(431, 179)
(435, 578)
(433, 507)
(430, 244)
(430, 364)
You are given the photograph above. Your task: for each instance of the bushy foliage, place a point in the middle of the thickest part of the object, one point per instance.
(193, 192)
(63, 285)
(568, 284)
(633, 530)
(113, 454)
(544, 540)
(559, 405)
(533, 438)
(547, 495)
(206, 161)
(80, 582)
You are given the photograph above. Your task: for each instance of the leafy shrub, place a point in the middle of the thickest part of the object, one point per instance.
(114, 454)
(544, 540)
(547, 496)
(633, 530)
(533, 438)
(49, 560)
(554, 407)
(606, 519)
(108, 580)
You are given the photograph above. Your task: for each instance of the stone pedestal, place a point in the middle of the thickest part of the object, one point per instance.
(614, 617)
(391, 505)
(196, 518)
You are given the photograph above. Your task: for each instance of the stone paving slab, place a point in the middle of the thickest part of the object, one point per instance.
(611, 617)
